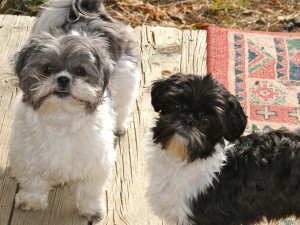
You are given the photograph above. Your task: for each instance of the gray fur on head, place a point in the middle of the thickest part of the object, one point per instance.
(85, 60)
(92, 43)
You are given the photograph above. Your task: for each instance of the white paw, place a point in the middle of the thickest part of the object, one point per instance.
(31, 201)
(120, 129)
(93, 217)
(91, 209)
(92, 214)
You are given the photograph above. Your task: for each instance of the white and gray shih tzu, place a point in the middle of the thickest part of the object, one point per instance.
(202, 172)
(79, 78)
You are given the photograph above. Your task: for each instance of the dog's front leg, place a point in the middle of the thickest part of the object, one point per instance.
(124, 88)
(33, 194)
(89, 199)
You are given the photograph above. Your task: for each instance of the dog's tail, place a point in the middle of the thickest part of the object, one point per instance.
(57, 12)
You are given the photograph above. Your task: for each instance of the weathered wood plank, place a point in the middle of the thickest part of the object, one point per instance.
(194, 52)
(164, 51)
(61, 210)
(161, 52)
(13, 31)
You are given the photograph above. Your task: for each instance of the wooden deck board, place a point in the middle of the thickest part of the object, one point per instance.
(164, 51)
(13, 32)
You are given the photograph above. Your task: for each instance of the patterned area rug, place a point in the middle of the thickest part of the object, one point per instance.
(263, 70)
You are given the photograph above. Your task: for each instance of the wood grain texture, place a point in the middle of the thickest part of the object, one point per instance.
(13, 31)
(164, 51)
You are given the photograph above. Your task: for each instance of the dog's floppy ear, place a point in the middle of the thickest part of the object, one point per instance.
(31, 48)
(20, 59)
(157, 92)
(236, 120)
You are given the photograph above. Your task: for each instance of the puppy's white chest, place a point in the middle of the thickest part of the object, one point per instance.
(174, 183)
(62, 147)
(66, 152)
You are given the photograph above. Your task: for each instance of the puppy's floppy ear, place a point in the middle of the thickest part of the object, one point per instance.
(236, 120)
(20, 59)
(157, 92)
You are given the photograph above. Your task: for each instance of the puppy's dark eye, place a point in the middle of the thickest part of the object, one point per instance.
(80, 71)
(175, 107)
(48, 70)
(205, 120)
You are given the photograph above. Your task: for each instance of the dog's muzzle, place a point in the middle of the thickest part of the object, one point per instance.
(63, 86)
(188, 121)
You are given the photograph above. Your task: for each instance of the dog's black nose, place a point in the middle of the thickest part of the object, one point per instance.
(188, 123)
(63, 81)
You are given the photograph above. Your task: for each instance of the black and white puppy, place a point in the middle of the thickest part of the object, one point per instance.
(79, 78)
(202, 172)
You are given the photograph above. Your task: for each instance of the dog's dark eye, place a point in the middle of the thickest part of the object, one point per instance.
(205, 120)
(171, 108)
(80, 71)
(48, 69)
(175, 107)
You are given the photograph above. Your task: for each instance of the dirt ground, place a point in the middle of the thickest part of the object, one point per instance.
(267, 15)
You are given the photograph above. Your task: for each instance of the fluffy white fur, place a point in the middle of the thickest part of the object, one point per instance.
(124, 86)
(66, 147)
(55, 15)
(166, 195)
(59, 143)
(125, 81)
(58, 135)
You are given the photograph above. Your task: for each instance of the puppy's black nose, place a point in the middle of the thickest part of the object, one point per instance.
(188, 123)
(63, 81)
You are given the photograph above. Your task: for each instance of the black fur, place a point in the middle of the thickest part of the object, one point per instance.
(260, 179)
(185, 102)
